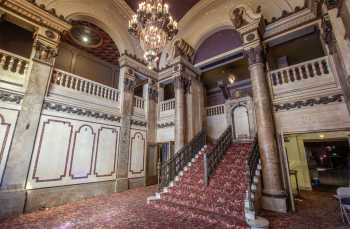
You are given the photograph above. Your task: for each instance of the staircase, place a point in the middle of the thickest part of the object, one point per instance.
(221, 203)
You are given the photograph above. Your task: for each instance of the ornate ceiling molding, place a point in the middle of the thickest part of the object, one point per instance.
(37, 15)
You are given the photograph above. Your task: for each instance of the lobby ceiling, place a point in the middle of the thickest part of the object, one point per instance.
(178, 8)
(92, 39)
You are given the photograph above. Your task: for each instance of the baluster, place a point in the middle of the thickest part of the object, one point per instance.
(19, 66)
(314, 69)
(11, 63)
(67, 81)
(26, 68)
(3, 61)
(81, 85)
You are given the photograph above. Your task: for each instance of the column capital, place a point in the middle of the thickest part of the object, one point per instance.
(255, 55)
(182, 82)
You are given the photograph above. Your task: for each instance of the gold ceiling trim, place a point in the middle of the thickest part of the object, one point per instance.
(30, 12)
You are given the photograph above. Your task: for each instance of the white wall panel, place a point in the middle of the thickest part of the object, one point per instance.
(72, 150)
(8, 119)
(137, 153)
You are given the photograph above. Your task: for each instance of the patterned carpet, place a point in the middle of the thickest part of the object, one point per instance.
(221, 204)
(218, 206)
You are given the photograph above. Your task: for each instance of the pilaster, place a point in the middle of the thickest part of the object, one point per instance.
(126, 86)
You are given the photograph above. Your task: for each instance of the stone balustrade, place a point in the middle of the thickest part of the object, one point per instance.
(13, 68)
(300, 78)
(167, 105)
(78, 84)
(139, 103)
(215, 110)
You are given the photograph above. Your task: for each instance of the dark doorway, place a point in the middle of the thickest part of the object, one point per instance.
(328, 163)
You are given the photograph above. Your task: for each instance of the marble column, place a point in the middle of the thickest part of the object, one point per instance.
(151, 116)
(126, 86)
(190, 110)
(180, 110)
(14, 179)
(273, 195)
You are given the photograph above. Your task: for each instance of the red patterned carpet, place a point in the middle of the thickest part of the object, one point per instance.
(316, 210)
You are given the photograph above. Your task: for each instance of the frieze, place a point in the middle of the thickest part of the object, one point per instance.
(138, 123)
(309, 102)
(166, 125)
(80, 111)
(10, 97)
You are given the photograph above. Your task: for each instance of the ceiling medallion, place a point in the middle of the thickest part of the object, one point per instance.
(153, 26)
(86, 36)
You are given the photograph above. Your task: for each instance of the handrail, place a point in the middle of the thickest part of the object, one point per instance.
(252, 165)
(212, 159)
(171, 168)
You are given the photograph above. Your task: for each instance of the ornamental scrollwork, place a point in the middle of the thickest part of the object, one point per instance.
(255, 55)
(44, 53)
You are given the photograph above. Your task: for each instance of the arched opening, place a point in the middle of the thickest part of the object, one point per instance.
(240, 120)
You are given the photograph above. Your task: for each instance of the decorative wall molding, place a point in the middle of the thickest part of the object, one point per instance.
(6, 96)
(106, 145)
(45, 145)
(81, 153)
(135, 141)
(309, 102)
(138, 123)
(166, 124)
(80, 111)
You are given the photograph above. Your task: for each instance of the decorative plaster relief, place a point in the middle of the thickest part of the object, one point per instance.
(137, 154)
(8, 119)
(106, 152)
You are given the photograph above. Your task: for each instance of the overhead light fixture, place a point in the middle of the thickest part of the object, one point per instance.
(231, 79)
(85, 39)
(153, 26)
(322, 136)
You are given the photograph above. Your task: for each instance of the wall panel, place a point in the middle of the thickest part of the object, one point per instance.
(137, 153)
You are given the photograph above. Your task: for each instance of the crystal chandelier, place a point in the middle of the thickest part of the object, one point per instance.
(153, 26)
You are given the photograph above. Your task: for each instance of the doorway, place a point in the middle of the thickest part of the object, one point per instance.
(329, 163)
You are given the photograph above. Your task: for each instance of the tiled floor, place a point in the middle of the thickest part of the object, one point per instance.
(129, 210)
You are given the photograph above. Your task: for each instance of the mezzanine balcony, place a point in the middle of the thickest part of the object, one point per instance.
(308, 78)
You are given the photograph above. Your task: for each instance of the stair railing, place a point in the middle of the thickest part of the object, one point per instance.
(212, 159)
(171, 168)
(252, 166)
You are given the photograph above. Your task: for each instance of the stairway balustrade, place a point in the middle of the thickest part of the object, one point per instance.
(213, 158)
(252, 166)
(171, 168)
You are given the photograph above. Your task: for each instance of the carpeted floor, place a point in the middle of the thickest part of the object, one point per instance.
(128, 210)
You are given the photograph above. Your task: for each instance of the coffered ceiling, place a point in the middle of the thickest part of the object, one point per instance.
(178, 8)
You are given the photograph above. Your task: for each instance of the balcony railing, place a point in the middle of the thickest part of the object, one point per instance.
(311, 74)
(216, 110)
(139, 103)
(78, 84)
(13, 68)
(167, 105)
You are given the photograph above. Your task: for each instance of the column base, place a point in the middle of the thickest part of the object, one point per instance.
(274, 203)
(12, 203)
(122, 185)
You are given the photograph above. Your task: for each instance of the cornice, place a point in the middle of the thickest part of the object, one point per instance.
(10, 97)
(29, 11)
(299, 18)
